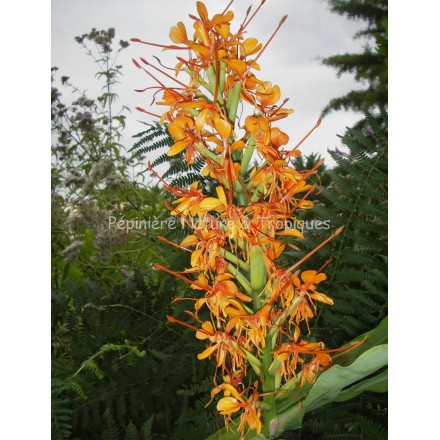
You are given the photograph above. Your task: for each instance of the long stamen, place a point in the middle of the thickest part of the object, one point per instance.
(305, 137)
(164, 46)
(324, 265)
(242, 28)
(178, 275)
(147, 88)
(163, 239)
(292, 191)
(167, 186)
(338, 231)
(164, 73)
(140, 109)
(265, 46)
(148, 73)
(172, 319)
(227, 7)
(161, 64)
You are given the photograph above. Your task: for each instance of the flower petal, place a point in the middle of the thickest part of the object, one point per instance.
(317, 296)
(221, 195)
(209, 203)
(250, 46)
(308, 276)
(195, 257)
(224, 129)
(177, 147)
(291, 233)
(203, 12)
(207, 352)
(191, 240)
(228, 405)
(178, 33)
(201, 119)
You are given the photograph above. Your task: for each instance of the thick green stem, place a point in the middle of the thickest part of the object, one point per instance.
(215, 86)
(201, 81)
(234, 259)
(256, 195)
(221, 77)
(242, 199)
(203, 96)
(209, 154)
(268, 390)
(258, 274)
(247, 156)
(240, 194)
(233, 101)
(240, 278)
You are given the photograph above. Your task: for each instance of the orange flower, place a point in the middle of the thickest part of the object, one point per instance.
(267, 95)
(223, 299)
(310, 279)
(223, 345)
(255, 124)
(248, 210)
(249, 46)
(182, 130)
(253, 326)
(310, 370)
(235, 401)
(188, 204)
(208, 242)
(307, 292)
(178, 34)
(278, 138)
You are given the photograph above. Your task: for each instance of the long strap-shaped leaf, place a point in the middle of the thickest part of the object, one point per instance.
(330, 384)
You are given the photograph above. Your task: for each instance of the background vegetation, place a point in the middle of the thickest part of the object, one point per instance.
(120, 370)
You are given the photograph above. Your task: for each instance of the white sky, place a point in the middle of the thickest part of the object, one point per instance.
(291, 60)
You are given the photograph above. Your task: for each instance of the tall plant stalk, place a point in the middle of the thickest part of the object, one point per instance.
(252, 313)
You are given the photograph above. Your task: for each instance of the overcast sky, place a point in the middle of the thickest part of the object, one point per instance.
(292, 60)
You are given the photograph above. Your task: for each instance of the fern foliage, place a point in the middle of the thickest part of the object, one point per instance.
(61, 411)
(145, 383)
(155, 142)
(151, 139)
(355, 198)
(358, 201)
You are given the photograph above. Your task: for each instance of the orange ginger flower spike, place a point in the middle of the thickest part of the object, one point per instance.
(235, 236)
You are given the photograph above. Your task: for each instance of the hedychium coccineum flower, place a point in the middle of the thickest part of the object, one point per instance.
(217, 109)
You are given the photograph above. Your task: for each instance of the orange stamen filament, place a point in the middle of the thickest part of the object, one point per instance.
(163, 73)
(306, 136)
(227, 7)
(265, 46)
(244, 26)
(339, 230)
(164, 46)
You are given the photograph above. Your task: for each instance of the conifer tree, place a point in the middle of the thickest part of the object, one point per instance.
(369, 66)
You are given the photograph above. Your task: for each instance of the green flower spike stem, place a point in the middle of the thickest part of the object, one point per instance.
(247, 156)
(258, 274)
(233, 101)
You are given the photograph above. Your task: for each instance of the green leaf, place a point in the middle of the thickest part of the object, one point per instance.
(335, 379)
(371, 339)
(330, 384)
(376, 384)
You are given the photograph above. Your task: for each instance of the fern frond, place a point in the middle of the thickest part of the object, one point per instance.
(61, 411)
(110, 428)
(131, 432)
